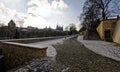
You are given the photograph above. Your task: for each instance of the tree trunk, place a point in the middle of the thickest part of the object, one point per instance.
(103, 14)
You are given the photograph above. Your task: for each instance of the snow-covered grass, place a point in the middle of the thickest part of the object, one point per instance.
(103, 48)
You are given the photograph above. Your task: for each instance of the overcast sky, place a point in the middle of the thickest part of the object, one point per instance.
(41, 13)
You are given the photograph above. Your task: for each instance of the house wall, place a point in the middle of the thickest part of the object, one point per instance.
(116, 36)
(100, 30)
(104, 25)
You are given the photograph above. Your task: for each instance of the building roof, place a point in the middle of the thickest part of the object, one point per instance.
(11, 24)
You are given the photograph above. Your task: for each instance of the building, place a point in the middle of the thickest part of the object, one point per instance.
(11, 24)
(9, 32)
(109, 30)
(106, 29)
(59, 28)
(116, 36)
(12, 29)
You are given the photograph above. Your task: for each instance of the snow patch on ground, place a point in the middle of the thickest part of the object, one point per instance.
(103, 48)
(37, 65)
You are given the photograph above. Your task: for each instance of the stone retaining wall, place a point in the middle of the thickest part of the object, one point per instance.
(31, 40)
(17, 54)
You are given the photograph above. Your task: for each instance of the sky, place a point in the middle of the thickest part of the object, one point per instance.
(41, 13)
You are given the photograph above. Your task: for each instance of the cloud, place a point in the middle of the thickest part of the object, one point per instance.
(18, 5)
(59, 4)
(39, 7)
(8, 1)
(38, 12)
(19, 19)
(44, 8)
(78, 25)
(35, 21)
(6, 14)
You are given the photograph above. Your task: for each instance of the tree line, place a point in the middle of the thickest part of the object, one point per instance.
(13, 32)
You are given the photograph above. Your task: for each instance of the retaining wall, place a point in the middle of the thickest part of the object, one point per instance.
(31, 40)
(17, 52)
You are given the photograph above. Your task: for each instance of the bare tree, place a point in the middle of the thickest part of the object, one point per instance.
(104, 6)
(90, 14)
(95, 10)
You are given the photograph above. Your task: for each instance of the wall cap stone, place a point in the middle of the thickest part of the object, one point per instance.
(26, 45)
(30, 38)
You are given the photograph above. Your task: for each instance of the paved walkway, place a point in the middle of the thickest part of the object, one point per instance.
(103, 48)
(51, 52)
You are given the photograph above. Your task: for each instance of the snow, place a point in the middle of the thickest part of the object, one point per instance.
(37, 65)
(107, 49)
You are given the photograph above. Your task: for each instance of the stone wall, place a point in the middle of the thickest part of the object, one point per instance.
(17, 54)
(31, 40)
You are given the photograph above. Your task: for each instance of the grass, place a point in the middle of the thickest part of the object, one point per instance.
(75, 57)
